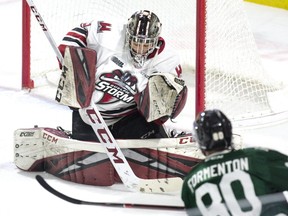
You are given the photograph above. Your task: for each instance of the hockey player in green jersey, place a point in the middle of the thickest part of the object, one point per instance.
(249, 181)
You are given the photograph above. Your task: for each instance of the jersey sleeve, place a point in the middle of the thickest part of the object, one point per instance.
(76, 37)
(187, 195)
(188, 192)
(272, 167)
(278, 167)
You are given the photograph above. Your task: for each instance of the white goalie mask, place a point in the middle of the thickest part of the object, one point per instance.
(142, 33)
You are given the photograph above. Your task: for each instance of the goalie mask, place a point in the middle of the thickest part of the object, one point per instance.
(142, 33)
(213, 130)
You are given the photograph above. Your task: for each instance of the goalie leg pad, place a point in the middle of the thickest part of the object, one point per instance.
(150, 163)
(51, 150)
(47, 149)
(82, 167)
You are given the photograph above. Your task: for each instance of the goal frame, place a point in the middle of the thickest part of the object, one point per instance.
(200, 57)
(27, 82)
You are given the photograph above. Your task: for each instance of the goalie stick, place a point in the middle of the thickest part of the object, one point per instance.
(45, 29)
(116, 156)
(50, 189)
(121, 165)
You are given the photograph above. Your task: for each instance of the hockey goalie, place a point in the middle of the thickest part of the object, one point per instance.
(135, 83)
(79, 156)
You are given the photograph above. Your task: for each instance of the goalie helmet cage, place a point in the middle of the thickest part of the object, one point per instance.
(213, 38)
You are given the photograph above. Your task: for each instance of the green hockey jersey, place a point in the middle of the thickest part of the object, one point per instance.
(233, 183)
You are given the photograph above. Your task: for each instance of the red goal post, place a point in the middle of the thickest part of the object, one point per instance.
(213, 38)
(27, 82)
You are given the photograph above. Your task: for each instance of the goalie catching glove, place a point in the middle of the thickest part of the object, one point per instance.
(164, 97)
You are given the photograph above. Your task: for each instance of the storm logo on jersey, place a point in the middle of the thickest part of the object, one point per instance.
(117, 85)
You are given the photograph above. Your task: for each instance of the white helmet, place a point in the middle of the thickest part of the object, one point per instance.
(142, 33)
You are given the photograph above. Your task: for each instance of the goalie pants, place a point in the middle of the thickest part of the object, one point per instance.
(133, 126)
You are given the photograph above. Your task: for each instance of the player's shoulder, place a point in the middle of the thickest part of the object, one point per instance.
(259, 149)
(106, 32)
(167, 59)
(104, 26)
(166, 51)
(106, 23)
(263, 152)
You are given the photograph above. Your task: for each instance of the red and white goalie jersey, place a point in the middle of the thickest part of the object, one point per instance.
(117, 79)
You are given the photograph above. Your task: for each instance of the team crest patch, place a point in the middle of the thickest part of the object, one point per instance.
(118, 85)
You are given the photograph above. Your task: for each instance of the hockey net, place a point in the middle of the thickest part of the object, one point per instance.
(213, 39)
